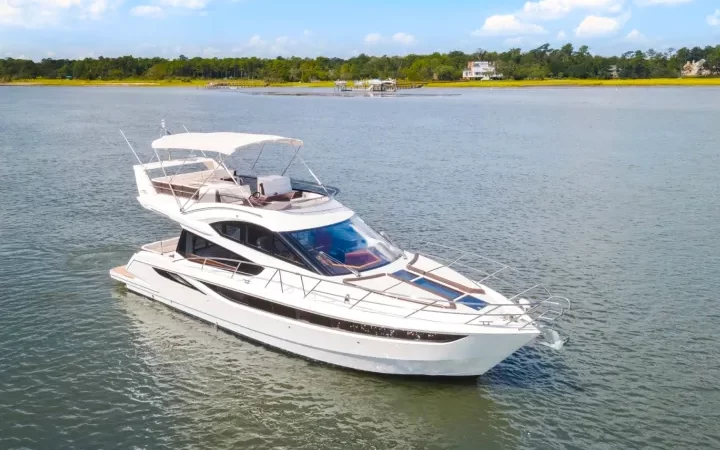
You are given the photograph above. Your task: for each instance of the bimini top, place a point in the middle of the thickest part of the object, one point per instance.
(225, 143)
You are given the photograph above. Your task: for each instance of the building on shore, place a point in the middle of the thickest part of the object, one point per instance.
(613, 70)
(694, 69)
(481, 70)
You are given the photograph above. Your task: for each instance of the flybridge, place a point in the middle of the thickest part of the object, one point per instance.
(206, 180)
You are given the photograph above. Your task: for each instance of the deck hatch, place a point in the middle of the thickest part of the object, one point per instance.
(440, 289)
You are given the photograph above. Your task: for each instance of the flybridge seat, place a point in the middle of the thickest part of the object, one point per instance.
(208, 186)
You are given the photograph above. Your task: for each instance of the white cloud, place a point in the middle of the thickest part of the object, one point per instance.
(635, 36)
(256, 41)
(209, 52)
(404, 38)
(556, 9)
(9, 14)
(593, 26)
(96, 9)
(280, 46)
(714, 19)
(42, 13)
(282, 40)
(561, 35)
(146, 11)
(10, 55)
(660, 2)
(507, 25)
(307, 33)
(373, 38)
(50, 54)
(597, 26)
(186, 4)
(514, 41)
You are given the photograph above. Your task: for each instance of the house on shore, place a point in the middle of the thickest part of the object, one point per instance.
(695, 69)
(481, 70)
(613, 70)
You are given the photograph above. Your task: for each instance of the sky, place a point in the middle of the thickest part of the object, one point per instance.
(36, 29)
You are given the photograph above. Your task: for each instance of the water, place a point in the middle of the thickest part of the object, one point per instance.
(610, 197)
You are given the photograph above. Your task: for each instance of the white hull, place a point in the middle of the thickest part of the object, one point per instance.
(469, 356)
(284, 263)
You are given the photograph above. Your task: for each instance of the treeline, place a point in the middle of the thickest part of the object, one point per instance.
(538, 63)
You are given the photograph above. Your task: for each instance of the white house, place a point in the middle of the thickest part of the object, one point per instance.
(480, 70)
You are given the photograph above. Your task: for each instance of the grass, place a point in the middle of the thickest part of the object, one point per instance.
(128, 82)
(433, 84)
(579, 82)
(150, 83)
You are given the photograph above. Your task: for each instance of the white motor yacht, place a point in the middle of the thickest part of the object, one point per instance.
(282, 262)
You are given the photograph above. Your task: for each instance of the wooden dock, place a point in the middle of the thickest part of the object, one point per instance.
(409, 85)
(237, 84)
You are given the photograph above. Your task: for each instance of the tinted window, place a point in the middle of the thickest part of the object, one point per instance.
(324, 321)
(281, 250)
(259, 237)
(176, 278)
(193, 246)
(231, 230)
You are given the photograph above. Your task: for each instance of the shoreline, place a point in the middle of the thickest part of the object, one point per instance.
(200, 84)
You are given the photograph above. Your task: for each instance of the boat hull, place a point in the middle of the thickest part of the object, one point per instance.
(469, 356)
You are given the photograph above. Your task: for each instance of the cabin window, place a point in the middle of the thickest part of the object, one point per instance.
(231, 230)
(281, 250)
(329, 322)
(258, 238)
(202, 250)
(176, 278)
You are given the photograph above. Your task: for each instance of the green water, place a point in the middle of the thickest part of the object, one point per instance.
(610, 197)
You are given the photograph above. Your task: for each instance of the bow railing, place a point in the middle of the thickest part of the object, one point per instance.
(518, 311)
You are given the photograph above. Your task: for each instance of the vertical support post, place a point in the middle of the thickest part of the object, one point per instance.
(133, 150)
(313, 175)
(258, 157)
(291, 161)
(165, 175)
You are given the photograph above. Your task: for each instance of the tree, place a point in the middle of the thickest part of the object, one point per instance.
(445, 73)
(541, 62)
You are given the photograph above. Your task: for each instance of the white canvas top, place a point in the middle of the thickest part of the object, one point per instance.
(223, 142)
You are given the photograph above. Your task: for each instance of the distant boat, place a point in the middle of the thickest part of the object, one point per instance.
(372, 85)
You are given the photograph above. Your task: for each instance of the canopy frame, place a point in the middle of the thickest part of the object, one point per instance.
(223, 144)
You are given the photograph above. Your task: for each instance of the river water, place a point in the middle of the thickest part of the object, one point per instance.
(611, 197)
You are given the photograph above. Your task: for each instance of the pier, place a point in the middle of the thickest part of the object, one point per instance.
(237, 84)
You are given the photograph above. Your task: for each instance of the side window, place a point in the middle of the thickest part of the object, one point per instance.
(282, 251)
(231, 230)
(202, 246)
(259, 237)
(198, 248)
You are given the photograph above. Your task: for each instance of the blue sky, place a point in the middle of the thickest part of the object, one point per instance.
(80, 28)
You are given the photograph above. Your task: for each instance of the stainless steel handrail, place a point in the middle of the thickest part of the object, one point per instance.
(553, 307)
(543, 309)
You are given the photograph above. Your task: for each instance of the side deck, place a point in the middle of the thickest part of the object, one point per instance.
(428, 290)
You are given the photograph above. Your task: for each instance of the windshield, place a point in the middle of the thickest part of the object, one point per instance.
(351, 244)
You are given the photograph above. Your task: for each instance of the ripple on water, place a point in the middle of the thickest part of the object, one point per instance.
(596, 194)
